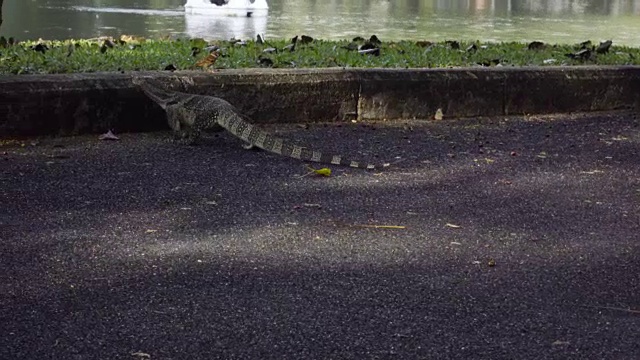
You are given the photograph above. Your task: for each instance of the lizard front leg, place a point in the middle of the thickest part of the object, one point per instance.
(182, 124)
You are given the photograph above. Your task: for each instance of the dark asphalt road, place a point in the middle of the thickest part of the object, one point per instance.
(109, 249)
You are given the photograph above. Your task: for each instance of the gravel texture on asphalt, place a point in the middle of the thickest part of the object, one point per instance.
(521, 240)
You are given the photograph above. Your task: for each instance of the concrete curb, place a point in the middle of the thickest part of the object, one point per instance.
(82, 103)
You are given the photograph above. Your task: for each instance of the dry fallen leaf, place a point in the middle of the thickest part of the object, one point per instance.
(132, 39)
(322, 172)
(109, 136)
(142, 355)
(149, 231)
(453, 226)
(439, 115)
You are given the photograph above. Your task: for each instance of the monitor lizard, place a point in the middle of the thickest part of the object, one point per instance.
(191, 114)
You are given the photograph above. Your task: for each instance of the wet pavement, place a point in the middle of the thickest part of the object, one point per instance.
(498, 238)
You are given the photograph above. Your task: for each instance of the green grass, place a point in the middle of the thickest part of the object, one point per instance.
(76, 56)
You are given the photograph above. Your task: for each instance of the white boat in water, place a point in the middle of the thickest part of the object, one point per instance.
(216, 27)
(246, 8)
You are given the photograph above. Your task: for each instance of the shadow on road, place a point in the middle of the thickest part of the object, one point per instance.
(519, 241)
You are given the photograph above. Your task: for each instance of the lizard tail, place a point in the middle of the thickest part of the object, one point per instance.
(262, 139)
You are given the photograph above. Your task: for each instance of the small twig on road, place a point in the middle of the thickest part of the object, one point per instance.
(368, 226)
(629, 310)
(381, 226)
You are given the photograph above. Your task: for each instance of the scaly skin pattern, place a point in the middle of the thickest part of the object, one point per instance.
(191, 114)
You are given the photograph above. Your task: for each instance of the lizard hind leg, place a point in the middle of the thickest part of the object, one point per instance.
(188, 136)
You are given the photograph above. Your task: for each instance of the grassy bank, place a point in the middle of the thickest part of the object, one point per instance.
(132, 54)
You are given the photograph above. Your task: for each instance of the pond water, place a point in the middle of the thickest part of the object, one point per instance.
(559, 21)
